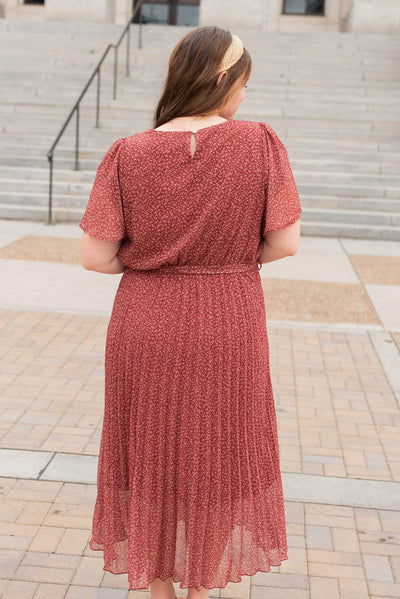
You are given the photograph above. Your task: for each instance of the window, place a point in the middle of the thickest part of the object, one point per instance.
(171, 12)
(303, 7)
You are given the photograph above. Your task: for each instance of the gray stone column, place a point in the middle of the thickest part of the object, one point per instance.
(8, 8)
(271, 14)
(373, 16)
(123, 11)
(75, 10)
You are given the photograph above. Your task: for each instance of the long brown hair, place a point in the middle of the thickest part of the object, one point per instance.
(190, 87)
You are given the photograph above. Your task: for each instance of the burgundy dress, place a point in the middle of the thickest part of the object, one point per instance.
(189, 481)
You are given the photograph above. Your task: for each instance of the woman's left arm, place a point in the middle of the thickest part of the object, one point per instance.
(101, 255)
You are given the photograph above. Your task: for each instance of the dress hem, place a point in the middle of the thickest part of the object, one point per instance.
(282, 559)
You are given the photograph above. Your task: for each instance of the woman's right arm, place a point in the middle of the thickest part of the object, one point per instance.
(281, 243)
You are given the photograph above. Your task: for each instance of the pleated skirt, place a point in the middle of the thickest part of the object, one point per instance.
(188, 481)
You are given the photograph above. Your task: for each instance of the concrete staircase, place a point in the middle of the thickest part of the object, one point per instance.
(333, 98)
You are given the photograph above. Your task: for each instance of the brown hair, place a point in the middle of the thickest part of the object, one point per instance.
(190, 87)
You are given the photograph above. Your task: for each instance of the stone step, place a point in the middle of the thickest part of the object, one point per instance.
(364, 231)
(380, 132)
(25, 179)
(55, 83)
(335, 39)
(58, 28)
(41, 186)
(32, 128)
(331, 147)
(367, 149)
(343, 190)
(360, 108)
(39, 213)
(281, 74)
(359, 217)
(56, 110)
(323, 165)
(282, 108)
(316, 196)
(37, 199)
(73, 200)
(348, 180)
(272, 87)
(42, 174)
(89, 159)
(88, 57)
(336, 111)
(59, 41)
(84, 58)
(341, 66)
(338, 41)
(20, 153)
(254, 38)
(355, 120)
(310, 149)
(41, 162)
(91, 156)
(349, 203)
(314, 180)
(49, 97)
(139, 102)
(60, 214)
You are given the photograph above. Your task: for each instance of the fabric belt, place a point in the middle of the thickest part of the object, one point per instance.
(202, 269)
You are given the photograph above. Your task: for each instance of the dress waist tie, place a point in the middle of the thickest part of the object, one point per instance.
(201, 269)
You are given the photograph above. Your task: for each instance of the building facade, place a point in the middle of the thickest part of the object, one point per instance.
(364, 16)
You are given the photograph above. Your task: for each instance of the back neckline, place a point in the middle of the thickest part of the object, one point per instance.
(192, 130)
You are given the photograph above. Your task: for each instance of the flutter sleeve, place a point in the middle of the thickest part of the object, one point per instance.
(282, 203)
(103, 217)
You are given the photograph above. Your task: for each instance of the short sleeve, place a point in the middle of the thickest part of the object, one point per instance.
(103, 217)
(282, 203)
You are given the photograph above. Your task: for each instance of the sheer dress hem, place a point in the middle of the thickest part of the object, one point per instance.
(96, 546)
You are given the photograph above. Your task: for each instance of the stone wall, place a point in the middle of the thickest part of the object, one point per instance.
(369, 16)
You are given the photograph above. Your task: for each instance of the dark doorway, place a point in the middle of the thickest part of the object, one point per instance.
(304, 7)
(33, 1)
(171, 12)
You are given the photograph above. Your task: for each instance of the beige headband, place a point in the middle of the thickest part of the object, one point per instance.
(232, 55)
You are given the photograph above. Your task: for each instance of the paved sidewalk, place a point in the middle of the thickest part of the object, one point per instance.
(334, 332)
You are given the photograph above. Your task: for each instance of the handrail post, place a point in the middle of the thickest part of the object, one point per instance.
(77, 138)
(50, 158)
(98, 98)
(127, 49)
(115, 71)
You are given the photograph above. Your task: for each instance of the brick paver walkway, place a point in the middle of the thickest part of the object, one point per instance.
(337, 397)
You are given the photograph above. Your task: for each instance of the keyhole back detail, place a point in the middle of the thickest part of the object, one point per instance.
(193, 143)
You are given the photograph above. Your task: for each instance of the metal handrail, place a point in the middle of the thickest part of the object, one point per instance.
(126, 31)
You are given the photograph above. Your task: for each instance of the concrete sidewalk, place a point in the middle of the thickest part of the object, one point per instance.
(334, 331)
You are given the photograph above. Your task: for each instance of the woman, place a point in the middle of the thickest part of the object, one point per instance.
(189, 486)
